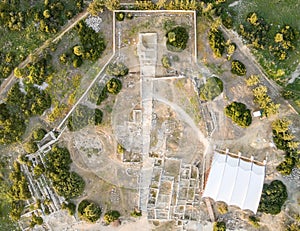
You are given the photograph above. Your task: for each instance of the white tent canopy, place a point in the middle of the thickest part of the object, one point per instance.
(235, 181)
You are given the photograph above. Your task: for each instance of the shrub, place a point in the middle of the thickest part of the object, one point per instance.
(30, 147)
(120, 16)
(136, 213)
(67, 184)
(211, 89)
(177, 39)
(216, 42)
(273, 197)
(89, 211)
(70, 207)
(254, 221)
(117, 69)
(239, 114)
(114, 86)
(166, 61)
(219, 226)
(98, 116)
(38, 134)
(238, 68)
(111, 216)
(102, 96)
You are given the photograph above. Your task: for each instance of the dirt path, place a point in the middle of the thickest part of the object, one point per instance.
(185, 117)
(7, 83)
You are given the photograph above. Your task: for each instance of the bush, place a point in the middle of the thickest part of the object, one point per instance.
(30, 147)
(39, 134)
(89, 211)
(211, 89)
(129, 15)
(117, 69)
(216, 42)
(273, 197)
(111, 216)
(77, 62)
(254, 221)
(120, 16)
(136, 213)
(103, 95)
(114, 86)
(219, 226)
(177, 39)
(165, 61)
(67, 184)
(98, 116)
(238, 68)
(70, 207)
(239, 114)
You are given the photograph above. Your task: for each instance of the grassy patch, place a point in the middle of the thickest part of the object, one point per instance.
(276, 14)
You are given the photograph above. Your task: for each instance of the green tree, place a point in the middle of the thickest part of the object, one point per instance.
(30, 146)
(111, 216)
(78, 50)
(39, 134)
(77, 62)
(281, 125)
(114, 86)
(177, 39)
(89, 211)
(239, 114)
(216, 42)
(113, 5)
(18, 72)
(211, 89)
(96, 7)
(238, 68)
(98, 116)
(253, 80)
(219, 226)
(273, 197)
(38, 170)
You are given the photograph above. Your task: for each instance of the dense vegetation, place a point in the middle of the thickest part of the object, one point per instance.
(18, 192)
(167, 5)
(211, 89)
(83, 116)
(273, 197)
(6, 203)
(239, 114)
(26, 24)
(89, 211)
(67, 184)
(37, 135)
(177, 39)
(216, 42)
(91, 46)
(285, 140)
(274, 37)
(219, 226)
(111, 216)
(264, 101)
(35, 220)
